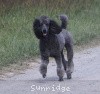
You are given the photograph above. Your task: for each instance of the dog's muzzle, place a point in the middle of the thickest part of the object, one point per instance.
(44, 30)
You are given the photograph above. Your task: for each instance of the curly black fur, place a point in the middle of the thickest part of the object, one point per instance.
(53, 38)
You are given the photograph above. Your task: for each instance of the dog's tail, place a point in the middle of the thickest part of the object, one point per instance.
(64, 21)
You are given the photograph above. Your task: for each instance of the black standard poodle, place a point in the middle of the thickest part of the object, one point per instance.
(52, 40)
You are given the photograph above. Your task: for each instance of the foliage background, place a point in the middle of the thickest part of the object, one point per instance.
(17, 40)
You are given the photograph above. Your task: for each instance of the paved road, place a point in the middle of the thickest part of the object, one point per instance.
(86, 78)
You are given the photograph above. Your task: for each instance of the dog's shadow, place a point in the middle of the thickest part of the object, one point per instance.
(48, 80)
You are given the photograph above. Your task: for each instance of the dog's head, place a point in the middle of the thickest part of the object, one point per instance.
(43, 26)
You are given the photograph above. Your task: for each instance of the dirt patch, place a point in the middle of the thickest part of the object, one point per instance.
(19, 68)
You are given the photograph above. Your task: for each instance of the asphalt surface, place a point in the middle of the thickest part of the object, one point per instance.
(85, 80)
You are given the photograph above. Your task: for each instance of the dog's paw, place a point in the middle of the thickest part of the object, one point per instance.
(60, 79)
(44, 75)
(69, 76)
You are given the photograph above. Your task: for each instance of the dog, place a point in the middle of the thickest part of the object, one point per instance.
(52, 40)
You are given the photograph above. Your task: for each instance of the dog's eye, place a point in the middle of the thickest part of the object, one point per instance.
(41, 24)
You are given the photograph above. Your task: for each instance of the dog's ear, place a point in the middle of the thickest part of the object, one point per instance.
(54, 28)
(36, 28)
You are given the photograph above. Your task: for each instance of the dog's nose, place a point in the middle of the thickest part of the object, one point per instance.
(44, 31)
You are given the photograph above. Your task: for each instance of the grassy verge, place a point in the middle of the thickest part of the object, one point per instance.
(17, 40)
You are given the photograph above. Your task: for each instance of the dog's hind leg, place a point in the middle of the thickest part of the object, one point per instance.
(64, 61)
(70, 64)
(60, 70)
(43, 66)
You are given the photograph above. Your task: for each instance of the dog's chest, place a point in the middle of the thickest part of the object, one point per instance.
(51, 46)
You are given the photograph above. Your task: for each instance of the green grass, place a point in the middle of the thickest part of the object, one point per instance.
(17, 40)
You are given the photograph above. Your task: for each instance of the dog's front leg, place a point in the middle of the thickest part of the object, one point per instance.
(60, 70)
(43, 66)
